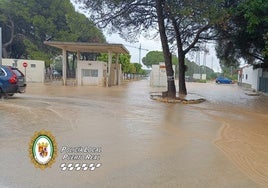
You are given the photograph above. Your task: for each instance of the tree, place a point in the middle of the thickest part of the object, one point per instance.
(9, 16)
(27, 24)
(171, 93)
(155, 57)
(130, 19)
(138, 68)
(132, 69)
(191, 22)
(245, 33)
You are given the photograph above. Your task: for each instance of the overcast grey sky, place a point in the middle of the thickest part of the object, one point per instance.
(155, 44)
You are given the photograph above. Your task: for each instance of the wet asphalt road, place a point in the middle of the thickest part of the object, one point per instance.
(219, 143)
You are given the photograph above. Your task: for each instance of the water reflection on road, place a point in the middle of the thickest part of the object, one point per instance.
(218, 143)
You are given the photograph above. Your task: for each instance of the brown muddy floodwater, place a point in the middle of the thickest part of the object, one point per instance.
(222, 142)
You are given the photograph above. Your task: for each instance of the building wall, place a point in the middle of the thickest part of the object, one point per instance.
(158, 75)
(35, 71)
(91, 73)
(251, 77)
(265, 74)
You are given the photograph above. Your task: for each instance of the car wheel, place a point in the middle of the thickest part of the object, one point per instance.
(1, 93)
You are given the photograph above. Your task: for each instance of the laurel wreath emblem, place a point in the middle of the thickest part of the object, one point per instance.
(38, 150)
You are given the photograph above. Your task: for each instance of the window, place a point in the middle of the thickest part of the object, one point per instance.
(33, 65)
(17, 72)
(94, 73)
(246, 76)
(2, 72)
(90, 73)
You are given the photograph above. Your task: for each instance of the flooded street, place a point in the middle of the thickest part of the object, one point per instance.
(222, 142)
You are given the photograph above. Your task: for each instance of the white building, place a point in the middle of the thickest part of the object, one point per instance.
(34, 72)
(254, 78)
(91, 73)
(158, 77)
(94, 73)
(200, 76)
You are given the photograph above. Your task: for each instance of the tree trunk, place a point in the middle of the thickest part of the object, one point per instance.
(4, 52)
(181, 55)
(182, 69)
(12, 36)
(171, 89)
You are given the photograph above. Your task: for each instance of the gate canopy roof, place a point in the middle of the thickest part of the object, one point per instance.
(89, 47)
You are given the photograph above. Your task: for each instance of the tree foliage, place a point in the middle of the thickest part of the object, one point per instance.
(129, 18)
(155, 57)
(192, 23)
(245, 33)
(27, 24)
(124, 60)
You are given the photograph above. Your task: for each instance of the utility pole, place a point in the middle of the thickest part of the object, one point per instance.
(1, 46)
(140, 54)
(212, 63)
(139, 51)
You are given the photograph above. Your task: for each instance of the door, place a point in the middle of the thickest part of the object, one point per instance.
(263, 84)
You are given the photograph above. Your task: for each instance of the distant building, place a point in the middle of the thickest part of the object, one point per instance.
(35, 70)
(158, 77)
(200, 76)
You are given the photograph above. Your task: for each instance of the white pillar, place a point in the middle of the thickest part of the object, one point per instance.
(78, 74)
(117, 69)
(78, 56)
(110, 56)
(64, 65)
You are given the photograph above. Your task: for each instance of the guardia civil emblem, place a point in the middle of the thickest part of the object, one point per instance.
(43, 149)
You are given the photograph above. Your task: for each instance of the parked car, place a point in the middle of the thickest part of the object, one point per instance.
(56, 74)
(223, 80)
(12, 81)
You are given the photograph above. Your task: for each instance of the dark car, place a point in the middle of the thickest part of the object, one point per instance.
(12, 81)
(223, 80)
